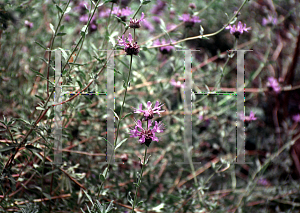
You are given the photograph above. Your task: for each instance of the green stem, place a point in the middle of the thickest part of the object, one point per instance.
(140, 178)
(222, 73)
(121, 111)
(82, 38)
(118, 127)
(51, 45)
(136, 12)
(201, 36)
(108, 22)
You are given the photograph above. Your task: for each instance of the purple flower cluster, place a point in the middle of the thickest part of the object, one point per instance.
(135, 23)
(177, 84)
(85, 18)
(28, 24)
(82, 7)
(130, 47)
(149, 112)
(166, 49)
(158, 8)
(238, 30)
(189, 20)
(269, 21)
(273, 84)
(147, 135)
(148, 25)
(249, 118)
(296, 118)
(122, 13)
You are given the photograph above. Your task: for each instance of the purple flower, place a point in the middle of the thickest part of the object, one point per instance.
(146, 136)
(104, 13)
(165, 49)
(296, 118)
(84, 18)
(28, 24)
(122, 13)
(67, 18)
(129, 47)
(124, 158)
(269, 21)
(158, 8)
(156, 19)
(148, 25)
(249, 118)
(135, 23)
(189, 20)
(238, 30)
(273, 83)
(149, 112)
(171, 26)
(192, 6)
(81, 7)
(177, 84)
(263, 182)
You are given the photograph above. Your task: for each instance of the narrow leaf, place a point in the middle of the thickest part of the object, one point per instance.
(146, 2)
(42, 46)
(119, 144)
(33, 149)
(61, 34)
(7, 148)
(115, 114)
(39, 97)
(90, 199)
(52, 28)
(129, 198)
(64, 54)
(58, 8)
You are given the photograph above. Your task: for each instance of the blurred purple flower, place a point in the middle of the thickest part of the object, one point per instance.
(171, 26)
(177, 84)
(149, 112)
(67, 18)
(146, 136)
(122, 13)
(104, 13)
(192, 6)
(156, 19)
(124, 157)
(200, 117)
(148, 25)
(296, 118)
(135, 23)
(93, 27)
(263, 182)
(84, 18)
(269, 21)
(28, 24)
(273, 83)
(165, 49)
(82, 7)
(189, 20)
(129, 47)
(158, 8)
(249, 118)
(238, 30)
